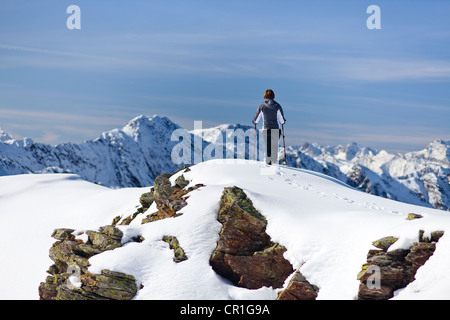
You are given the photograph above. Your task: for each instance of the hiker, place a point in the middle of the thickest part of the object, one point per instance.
(272, 113)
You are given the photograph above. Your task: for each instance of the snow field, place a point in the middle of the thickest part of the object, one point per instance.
(326, 226)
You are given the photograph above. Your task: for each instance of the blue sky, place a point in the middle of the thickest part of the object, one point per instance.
(337, 81)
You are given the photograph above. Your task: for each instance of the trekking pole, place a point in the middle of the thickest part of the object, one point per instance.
(284, 145)
(254, 145)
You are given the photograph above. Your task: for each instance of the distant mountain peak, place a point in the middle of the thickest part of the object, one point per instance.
(437, 150)
(4, 137)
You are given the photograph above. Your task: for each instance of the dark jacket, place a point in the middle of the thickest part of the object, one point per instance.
(271, 112)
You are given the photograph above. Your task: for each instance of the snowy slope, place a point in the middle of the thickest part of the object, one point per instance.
(32, 206)
(421, 178)
(326, 226)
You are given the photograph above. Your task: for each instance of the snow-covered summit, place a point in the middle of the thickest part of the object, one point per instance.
(143, 125)
(438, 150)
(326, 227)
(4, 137)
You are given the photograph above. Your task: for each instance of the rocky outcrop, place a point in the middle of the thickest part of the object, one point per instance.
(245, 254)
(69, 277)
(178, 252)
(299, 289)
(387, 271)
(169, 199)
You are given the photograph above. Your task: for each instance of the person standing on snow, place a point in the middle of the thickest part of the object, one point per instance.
(272, 113)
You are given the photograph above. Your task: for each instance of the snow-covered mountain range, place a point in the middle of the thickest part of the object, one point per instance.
(421, 178)
(134, 155)
(129, 157)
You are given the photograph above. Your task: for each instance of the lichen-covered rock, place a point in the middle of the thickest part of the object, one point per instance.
(384, 243)
(108, 238)
(181, 182)
(299, 289)
(62, 234)
(111, 285)
(69, 277)
(108, 285)
(419, 253)
(169, 199)
(413, 216)
(162, 189)
(244, 228)
(178, 252)
(394, 269)
(164, 195)
(436, 235)
(147, 199)
(245, 254)
(66, 253)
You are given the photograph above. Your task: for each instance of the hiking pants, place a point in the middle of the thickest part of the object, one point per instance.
(271, 138)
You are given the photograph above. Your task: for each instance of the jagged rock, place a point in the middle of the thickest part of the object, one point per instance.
(108, 238)
(66, 253)
(299, 289)
(178, 252)
(169, 200)
(181, 182)
(71, 260)
(244, 227)
(419, 253)
(395, 269)
(266, 268)
(163, 189)
(116, 220)
(147, 199)
(245, 254)
(413, 216)
(436, 235)
(384, 243)
(108, 285)
(62, 234)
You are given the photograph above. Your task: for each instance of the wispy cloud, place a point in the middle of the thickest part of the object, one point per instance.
(368, 69)
(235, 53)
(51, 127)
(44, 51)
(378, 69)
(56, 116)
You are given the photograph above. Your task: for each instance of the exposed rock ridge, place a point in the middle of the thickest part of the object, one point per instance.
(245, 254)
(386, 271)
(69, 277)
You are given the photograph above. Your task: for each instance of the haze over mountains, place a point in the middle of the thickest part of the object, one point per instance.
(134, 155)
